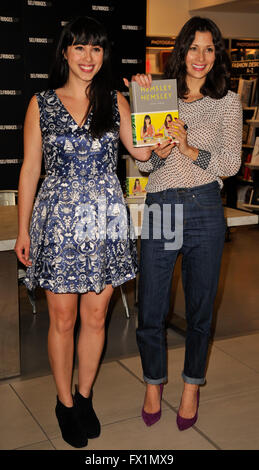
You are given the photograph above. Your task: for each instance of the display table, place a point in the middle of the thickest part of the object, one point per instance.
(9, 301)
(236, 217)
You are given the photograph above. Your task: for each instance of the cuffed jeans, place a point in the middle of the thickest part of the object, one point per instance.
(197, 218)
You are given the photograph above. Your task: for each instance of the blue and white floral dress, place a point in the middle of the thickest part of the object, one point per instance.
(81, 239)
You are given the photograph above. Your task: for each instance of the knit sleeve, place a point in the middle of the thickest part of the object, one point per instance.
(226, 161)
(153, 164)
(203, 159)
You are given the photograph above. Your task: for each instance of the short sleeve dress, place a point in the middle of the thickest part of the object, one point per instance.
(81, 238)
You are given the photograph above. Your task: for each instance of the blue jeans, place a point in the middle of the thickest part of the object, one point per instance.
(200, 241)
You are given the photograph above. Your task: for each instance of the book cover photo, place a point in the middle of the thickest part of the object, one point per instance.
(152, 111)
(136, 186)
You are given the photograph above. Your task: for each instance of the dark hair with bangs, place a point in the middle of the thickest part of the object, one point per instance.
(218, 79)
(86, 30)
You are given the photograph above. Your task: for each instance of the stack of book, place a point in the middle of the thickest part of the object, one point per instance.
(135, 181)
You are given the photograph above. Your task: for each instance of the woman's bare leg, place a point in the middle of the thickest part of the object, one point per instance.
(93, 310)
(62, 314)
(188, 406)
(152, 399)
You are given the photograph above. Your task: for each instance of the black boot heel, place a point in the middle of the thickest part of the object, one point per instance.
(71, 429)
(88, 418)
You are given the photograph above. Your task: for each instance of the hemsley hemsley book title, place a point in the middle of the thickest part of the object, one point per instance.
(152, 111)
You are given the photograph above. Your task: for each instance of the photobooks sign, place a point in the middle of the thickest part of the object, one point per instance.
(244, 44)
(159, 41)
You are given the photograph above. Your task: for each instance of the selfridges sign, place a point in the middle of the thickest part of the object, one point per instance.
(29, 30)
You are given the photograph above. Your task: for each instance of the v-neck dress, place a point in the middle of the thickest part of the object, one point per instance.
(81, 239)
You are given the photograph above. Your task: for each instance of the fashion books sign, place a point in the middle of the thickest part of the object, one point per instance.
(152, 111)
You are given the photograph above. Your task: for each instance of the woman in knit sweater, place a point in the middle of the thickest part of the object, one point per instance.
(183, 195)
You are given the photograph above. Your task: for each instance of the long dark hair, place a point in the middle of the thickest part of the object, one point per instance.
(145, 124)
(166, 122)
(218, 79)
(85, 30)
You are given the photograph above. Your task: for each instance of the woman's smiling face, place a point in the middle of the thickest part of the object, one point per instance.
(84, 61)
(201, 56)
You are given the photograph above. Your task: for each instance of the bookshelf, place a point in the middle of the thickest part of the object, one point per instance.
(248, 177)
(253, 202)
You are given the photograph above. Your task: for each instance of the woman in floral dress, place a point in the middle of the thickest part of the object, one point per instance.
(77, 239)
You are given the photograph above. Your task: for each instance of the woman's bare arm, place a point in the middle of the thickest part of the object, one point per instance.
(29, 177)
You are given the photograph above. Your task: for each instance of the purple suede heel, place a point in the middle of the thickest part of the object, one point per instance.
(186, 423)
(152, 418)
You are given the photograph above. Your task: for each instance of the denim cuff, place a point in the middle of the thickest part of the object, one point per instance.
(154, 381)
(156, 161)
(203, 159)
(192, 380)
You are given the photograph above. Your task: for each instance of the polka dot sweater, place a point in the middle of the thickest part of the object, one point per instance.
(215, 128)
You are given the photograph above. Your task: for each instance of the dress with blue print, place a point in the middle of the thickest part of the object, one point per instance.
(81, 238)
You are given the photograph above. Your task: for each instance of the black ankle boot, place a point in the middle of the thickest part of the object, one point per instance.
(87, 415)
(71, 429)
